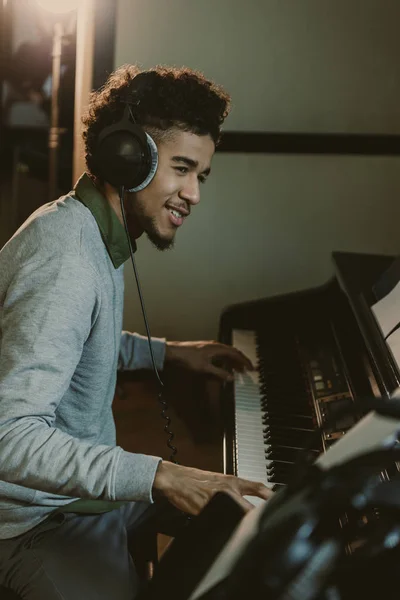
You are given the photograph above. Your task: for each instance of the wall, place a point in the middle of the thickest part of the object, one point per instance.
(267, 224)
(83, 80)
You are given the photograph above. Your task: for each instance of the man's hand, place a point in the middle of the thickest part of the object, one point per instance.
(191, 489)
(207, 357)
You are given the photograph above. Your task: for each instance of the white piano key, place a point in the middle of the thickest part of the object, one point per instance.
(250, 443)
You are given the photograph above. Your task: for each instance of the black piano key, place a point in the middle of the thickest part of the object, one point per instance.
(292, 403)
(277, 445)
(284, 412)
(289, 433)
(281, 479)
(274, 413)
(289, 421)
(277, 486)
(277, 468)
(268, 387)
(286, 397)
(293, 439)
(283, 476)
(284, 453)
(292, 432)
(284, 408)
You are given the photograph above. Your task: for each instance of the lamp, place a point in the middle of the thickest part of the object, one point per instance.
(57, 8)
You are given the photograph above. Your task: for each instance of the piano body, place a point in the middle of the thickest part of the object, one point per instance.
(318, 352)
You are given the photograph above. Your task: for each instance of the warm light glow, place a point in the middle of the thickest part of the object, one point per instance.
(58, 6)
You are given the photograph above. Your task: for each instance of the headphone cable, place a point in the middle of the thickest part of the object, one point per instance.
(161, 385)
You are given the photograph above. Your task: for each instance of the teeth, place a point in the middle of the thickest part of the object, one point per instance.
(176, 213)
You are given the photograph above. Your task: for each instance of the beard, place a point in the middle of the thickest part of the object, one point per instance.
(149, 226)
(158, 241)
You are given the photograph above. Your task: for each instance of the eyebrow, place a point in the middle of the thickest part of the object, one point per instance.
(190, 163)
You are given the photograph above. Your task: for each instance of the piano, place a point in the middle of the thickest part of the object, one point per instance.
(318, 353)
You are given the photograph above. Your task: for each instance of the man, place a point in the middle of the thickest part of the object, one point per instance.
(63, 528)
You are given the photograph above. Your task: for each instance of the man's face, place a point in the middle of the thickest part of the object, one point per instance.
(162, 207)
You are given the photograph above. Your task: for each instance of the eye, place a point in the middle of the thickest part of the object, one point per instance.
(202, 178)
(182, 170)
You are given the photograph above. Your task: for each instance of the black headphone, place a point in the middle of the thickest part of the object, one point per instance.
(125, 155)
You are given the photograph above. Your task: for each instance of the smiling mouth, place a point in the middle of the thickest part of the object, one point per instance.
(176, 216)
(176, 213)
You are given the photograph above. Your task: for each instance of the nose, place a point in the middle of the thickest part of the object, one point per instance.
(190, 191)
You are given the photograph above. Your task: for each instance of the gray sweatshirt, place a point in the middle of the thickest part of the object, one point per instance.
(61, 343)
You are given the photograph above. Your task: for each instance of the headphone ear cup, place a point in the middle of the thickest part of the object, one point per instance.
(125, 155)
(153, 168)
(122, 160)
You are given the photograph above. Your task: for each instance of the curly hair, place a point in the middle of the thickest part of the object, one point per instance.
(162, 98)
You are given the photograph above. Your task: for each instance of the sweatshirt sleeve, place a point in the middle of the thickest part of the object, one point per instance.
(47, 315)
(135, 353)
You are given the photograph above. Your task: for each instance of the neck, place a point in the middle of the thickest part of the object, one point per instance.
(112, 197)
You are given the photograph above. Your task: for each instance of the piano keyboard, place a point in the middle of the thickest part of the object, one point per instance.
(250, 444)
(273, 417)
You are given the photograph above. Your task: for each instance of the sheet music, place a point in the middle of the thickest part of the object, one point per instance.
(370, 433)
(387, 315)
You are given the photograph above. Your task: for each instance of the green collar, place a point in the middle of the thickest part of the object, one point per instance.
(112, 231)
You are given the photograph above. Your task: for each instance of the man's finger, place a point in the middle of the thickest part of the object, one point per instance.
(220, 373)
(255, 488)
(245, 360)
(264, 492)
(245, 504)
(233, 355)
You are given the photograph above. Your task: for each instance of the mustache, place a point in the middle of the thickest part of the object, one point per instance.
(185, 208)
